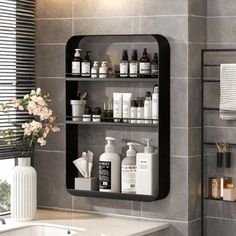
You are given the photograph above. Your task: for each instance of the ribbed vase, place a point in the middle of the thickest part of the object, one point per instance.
(23, 191)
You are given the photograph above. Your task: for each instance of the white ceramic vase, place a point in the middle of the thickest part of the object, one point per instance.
(23, 191)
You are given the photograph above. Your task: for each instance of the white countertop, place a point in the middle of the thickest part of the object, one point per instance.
(89, 224)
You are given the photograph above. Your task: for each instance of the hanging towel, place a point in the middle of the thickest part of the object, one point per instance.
(228, 91)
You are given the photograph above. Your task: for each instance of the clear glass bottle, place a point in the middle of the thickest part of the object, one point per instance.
(103, 70)
(95, 69)
(124, 64)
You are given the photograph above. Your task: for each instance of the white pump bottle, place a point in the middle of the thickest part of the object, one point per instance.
(128, 170)
(109, 169)
(147, 175)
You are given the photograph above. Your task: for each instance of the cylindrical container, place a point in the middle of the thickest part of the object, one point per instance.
(95, 70)
(140, 112)
(86, 117)
(23, 191)
(103, 70)
(155, 104)
(148, 108)
(78, 107)
(133, 112)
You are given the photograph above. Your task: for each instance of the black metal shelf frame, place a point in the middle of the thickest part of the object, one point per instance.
(203, 109)
(163, 126)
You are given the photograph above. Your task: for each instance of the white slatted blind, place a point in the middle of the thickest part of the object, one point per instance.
(17, 59)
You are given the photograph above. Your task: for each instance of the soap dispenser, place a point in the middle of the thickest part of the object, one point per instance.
(147, 174)
(76, 63)
(109, 168)
(128, 170)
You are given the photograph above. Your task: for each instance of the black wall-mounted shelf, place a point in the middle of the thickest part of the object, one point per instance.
(162, 128)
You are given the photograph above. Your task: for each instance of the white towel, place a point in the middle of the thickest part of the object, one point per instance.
(228, 91)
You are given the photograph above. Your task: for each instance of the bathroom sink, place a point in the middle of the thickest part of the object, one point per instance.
(39, 230)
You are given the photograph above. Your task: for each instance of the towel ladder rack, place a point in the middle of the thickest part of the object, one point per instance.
(204, 107)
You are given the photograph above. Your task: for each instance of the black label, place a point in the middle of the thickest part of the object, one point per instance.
(104, 174)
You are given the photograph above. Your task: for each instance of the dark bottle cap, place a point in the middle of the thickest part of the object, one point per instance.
(155, 57)
(148, 94)
(145, 52)
(87, 55)
(87, 110)
(97, 111)
(125, 55)
(140, 103)
(134, 56)
(133, 103)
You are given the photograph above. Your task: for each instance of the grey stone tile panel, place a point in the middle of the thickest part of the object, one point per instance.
(51, 173)
(53, 9)
(50, 60)
(173, 207)
(220, 8)
(53, 31)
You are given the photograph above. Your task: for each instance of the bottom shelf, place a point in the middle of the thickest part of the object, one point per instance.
(121, 196)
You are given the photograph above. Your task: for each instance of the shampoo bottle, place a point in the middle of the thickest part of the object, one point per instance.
(109, 169)
(147, 174)
(128, 170)
(76, 63)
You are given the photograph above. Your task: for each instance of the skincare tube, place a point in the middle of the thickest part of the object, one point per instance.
(117, 106)
(126, 106)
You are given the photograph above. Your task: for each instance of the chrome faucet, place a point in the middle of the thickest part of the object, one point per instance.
(3, 221)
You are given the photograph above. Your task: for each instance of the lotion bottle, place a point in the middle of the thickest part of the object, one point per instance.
(76, 63)
(128, 170)
(155, 104)
(133, 66)
(109, 168)
(147, 174)
(148, 107)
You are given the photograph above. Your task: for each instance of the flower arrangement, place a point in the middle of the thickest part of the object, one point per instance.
(40, 124)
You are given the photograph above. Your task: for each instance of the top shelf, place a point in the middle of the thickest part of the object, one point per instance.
(89, 79)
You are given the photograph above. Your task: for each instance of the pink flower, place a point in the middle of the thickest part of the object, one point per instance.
(41, 141)
(55, 129)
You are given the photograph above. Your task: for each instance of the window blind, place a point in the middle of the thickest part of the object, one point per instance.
(17, 64)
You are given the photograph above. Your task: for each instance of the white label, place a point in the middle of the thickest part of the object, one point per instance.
(124, 69)
(85, 68)
(142, 164)
(128, 178)
(144, 68)
(94, 72)
(75, 67)
(133, 69)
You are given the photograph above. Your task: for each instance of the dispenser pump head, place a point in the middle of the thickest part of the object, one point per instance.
(110, 146)
(77, 52)
(131, 152)
(148, 148)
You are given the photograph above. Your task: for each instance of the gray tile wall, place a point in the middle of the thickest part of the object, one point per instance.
(183, 22)
(220, 216)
